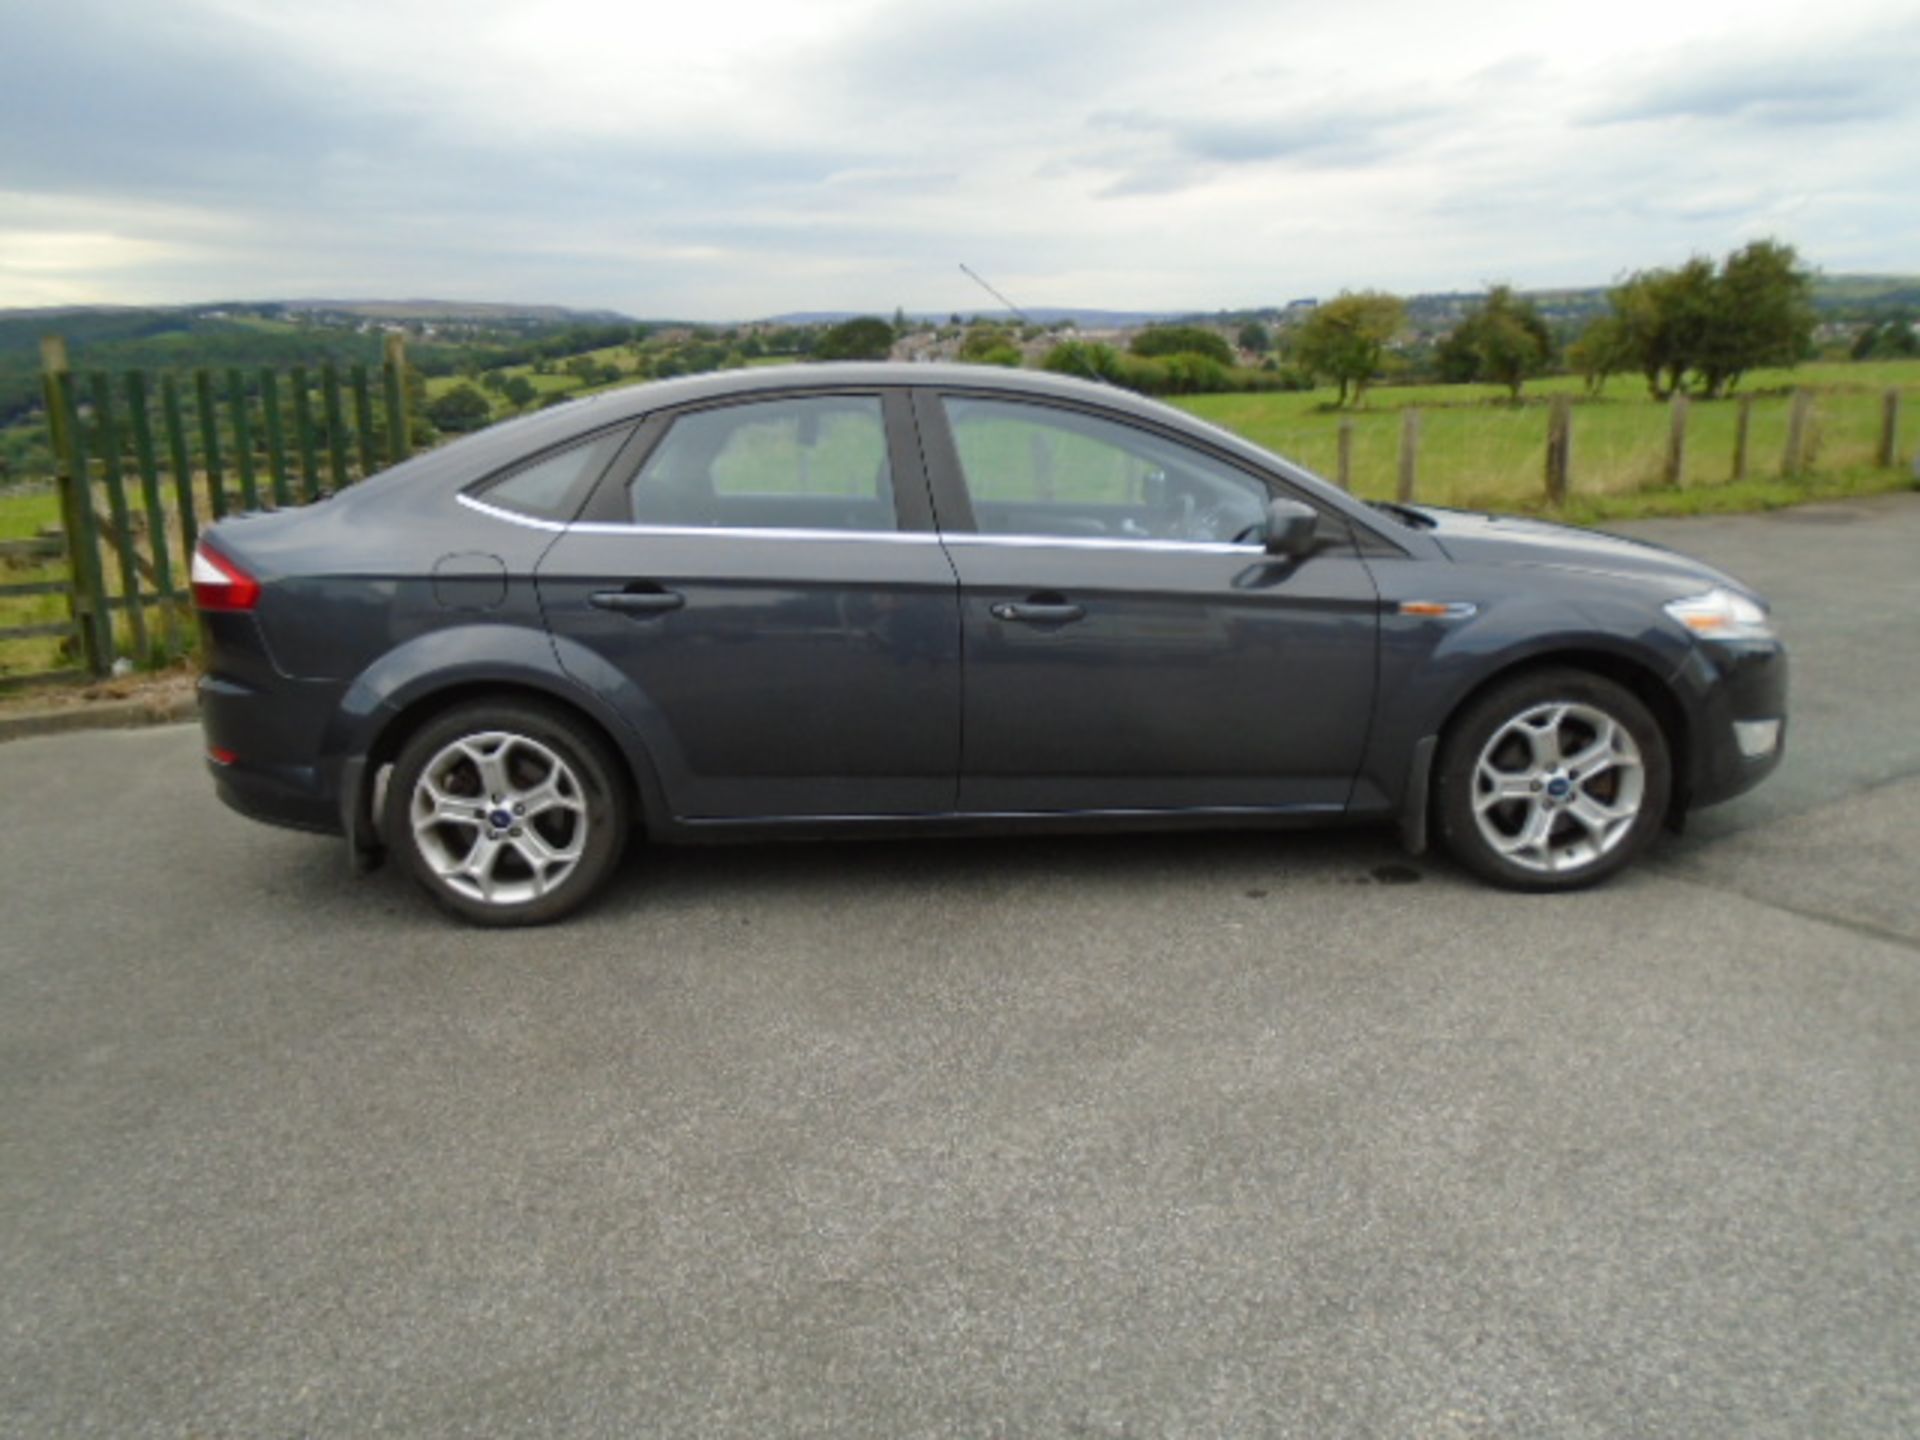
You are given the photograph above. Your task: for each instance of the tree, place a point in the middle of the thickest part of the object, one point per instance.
(1715, 325)
(1502, 340)
(1157, 340)
(867, 338)
(1600, 351)
(1088, 359)
(461, 409)
(519, 392)
(1761, 314)
(989, 345)
(1664, 315)
(1345, 339)
(1255, 338)
(1890, 339)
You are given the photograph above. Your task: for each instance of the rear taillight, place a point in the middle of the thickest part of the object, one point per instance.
(219, 584)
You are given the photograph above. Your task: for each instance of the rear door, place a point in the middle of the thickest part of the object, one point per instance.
(764, 595)
(1129, 644)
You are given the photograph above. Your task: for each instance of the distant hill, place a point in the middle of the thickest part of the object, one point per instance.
(1837, 297)
(252, 333)
(481, 310)
(22, 328)
(1039, 314)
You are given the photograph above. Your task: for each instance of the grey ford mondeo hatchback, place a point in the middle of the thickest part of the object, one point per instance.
(848, 599)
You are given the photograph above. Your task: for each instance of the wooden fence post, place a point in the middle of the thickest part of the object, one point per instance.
(1559, 449)
(1409, 455)
(1889, 455)
(1676, 467)
(55, 381)
(1345, 473)
(1794, 460)
(83, 540)
(107, 440)
(143, 454)
(1742, 430)
(336, 426)
(363, 421)
(303, 432)
(182, 469)
(276, 435)
(395, 372)
(210, 443)
(242, 439)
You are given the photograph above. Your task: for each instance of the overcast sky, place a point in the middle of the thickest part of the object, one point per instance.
(715, 160)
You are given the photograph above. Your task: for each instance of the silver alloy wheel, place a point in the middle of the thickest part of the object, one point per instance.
(499, 817)
(1558, 786)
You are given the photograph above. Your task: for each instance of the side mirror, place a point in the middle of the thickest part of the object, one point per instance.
(1290, 528)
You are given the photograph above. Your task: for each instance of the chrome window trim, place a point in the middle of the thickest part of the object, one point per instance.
(888, 537)
(1101, 542)
(688, 532)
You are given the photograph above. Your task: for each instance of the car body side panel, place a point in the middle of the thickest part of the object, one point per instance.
(801, 676)
(1197, 678)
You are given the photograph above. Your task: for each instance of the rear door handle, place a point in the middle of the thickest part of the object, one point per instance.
(1032, 613)
(637, 602)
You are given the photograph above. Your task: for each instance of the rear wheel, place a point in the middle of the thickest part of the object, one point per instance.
(508, 812)
(1552, 781)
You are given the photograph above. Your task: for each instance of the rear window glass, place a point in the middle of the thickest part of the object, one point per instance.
(553, 487)
(805, 463)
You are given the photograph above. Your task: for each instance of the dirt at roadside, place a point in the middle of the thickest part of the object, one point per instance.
(162, 691)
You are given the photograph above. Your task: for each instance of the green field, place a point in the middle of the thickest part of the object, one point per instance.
(1476, 449)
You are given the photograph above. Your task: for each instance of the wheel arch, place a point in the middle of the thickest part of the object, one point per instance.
(385, 742)
(1637, 677)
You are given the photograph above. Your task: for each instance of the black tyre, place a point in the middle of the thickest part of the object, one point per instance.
(508, 812)
(1551, 781)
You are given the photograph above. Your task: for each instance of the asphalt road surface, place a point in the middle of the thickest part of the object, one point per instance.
(1198, 1136)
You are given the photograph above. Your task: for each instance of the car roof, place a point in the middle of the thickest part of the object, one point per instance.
(637, 400)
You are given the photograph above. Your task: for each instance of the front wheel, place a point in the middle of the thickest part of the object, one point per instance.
(508, 812)
(1552, 781)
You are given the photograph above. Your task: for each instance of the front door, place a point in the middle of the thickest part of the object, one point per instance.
(768, 598)
(1129, 645)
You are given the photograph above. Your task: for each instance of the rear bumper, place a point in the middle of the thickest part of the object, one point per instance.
(1741, 703)
(259, 728)
(287, 797)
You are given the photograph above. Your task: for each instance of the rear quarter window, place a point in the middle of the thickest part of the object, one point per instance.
(554, 485)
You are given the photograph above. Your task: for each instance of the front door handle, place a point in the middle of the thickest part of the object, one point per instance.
(1039, 612)
(637, 602)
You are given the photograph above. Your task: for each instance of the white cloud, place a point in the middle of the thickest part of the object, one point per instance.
(724, 159)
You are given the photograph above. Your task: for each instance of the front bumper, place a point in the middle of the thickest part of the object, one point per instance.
(1740, 690)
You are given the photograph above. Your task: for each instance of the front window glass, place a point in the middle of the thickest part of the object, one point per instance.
(1040, 470)
(817, 463)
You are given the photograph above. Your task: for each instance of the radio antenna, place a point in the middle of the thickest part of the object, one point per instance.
(974, 276)
(1079, 351)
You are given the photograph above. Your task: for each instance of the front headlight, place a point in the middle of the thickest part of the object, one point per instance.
(1722, 615)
